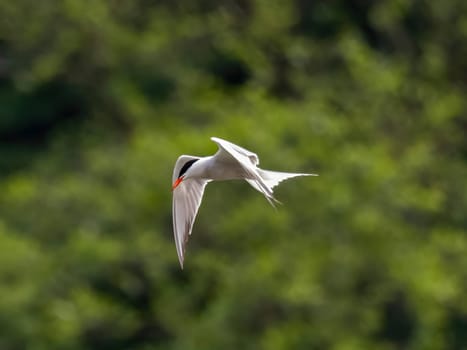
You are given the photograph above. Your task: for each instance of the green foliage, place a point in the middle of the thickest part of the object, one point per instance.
(99, 98)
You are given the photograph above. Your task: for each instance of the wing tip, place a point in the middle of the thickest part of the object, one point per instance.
(181, 259)
(181, 253)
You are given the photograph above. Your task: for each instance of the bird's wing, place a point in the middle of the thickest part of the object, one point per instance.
(232, 149)
(185, 203)
(248, 161)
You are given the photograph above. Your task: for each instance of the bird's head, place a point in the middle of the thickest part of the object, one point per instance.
(181, 170)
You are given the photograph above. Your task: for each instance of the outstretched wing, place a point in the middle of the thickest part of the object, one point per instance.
(240, 152)
(185, 203)
(248, 161)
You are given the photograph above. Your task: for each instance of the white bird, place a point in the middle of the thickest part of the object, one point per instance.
(191, 174)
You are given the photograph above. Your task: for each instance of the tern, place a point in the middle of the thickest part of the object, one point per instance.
(192, 174)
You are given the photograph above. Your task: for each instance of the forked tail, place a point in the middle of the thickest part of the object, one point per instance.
(273, 178)
(269, 179)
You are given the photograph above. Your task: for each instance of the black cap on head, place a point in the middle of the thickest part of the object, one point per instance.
(186, 166)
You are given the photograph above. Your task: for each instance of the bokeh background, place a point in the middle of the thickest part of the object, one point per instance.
(99, 98)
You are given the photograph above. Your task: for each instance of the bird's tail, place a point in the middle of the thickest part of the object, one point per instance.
(269, 179)
(273, 178)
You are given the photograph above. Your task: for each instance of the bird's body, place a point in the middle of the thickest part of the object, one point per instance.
(216, 169)
(191, 174)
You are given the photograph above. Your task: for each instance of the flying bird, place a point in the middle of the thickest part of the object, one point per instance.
(192, 174)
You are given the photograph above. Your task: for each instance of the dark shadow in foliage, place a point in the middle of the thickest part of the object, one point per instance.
(456, 330)
(318, 19)
(370, 278)
(398, 321)
(358, 12)
(104, 333)
(228, 69)
(282, 86)
(324, 20)
(156, 85)
(29, 119)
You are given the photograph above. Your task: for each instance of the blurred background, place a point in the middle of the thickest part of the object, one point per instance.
(99, 98)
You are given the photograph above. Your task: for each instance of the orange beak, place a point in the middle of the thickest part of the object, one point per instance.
(177, 182)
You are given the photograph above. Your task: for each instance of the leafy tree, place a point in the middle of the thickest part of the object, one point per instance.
(99, 98)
